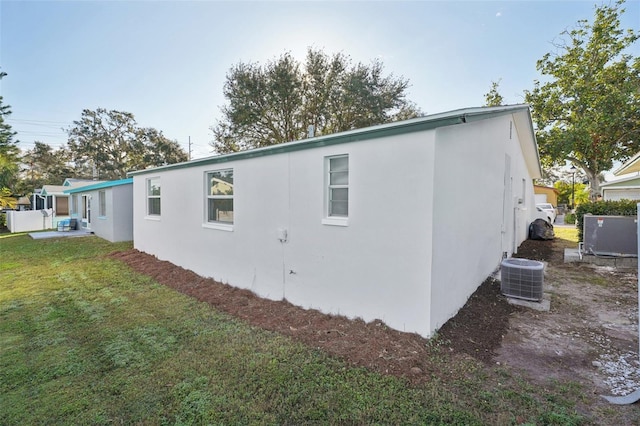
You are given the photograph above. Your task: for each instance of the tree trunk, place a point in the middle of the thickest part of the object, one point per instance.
(594, 184)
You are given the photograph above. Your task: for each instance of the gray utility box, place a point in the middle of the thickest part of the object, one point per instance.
(610, 235)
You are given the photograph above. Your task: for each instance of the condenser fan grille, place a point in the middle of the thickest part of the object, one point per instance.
(522, 278)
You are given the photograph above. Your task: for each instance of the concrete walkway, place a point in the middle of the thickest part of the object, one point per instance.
(559, 223)
(60, 234)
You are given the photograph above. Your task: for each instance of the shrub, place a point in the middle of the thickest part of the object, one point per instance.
(570, 218)
(3, 220)
(604, 208)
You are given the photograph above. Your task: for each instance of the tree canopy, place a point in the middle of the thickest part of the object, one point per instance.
(571, 192)
(9, 151)
(44, 165)
(586, 109)
(6, 199)
(493, 97)
(108, 144)
(278, 102)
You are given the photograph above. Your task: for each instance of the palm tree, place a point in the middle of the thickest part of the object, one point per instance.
(6, 200)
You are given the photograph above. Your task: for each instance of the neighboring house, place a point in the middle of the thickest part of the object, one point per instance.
(105, 208)
(54, 197)
(399, 222)
(627, 188)
(23, 203)
(631, 166)
(546, 194)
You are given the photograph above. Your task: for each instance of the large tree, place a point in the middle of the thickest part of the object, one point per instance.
(493, 97)
(108, 144)
(8, 173)
(587, 109)
(7, 200)
(280, 101)
(45, 165)
(9, 151)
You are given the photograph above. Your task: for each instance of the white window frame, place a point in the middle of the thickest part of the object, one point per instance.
(149, 197)
(208, 197)
(102, 203)
(329, 218)
(75, 211)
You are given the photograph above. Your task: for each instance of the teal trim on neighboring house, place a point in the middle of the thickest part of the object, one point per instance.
(100, 185)
(76, 182)
(429, 122)
(44, 193)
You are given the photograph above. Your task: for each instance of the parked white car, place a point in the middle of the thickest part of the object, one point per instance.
(547, 212)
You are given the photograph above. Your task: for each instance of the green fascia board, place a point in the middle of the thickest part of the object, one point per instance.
(428, 122)
(101, 185)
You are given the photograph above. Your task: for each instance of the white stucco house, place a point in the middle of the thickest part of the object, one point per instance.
(105, 208)
(399, 222)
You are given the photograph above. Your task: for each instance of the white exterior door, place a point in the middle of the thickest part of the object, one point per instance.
(86, 211)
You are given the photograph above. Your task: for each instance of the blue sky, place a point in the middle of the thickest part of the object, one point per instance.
(166, 61)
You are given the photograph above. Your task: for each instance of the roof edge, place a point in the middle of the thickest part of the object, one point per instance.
(621, 180)
(101, 185)
(428, 122)
(630, 166)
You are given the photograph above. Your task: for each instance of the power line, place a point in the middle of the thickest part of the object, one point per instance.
(51, 126)
(34, 132)
(53, 144)
(24, 120)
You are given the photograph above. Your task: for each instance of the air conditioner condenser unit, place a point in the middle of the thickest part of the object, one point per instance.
(522, 279)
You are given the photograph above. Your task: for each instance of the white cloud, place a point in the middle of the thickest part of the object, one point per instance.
(499, 14)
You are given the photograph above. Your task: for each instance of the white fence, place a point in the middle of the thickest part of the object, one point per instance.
(29, 220)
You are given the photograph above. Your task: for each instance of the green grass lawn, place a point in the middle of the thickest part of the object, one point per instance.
(568, 234)
(85, 340)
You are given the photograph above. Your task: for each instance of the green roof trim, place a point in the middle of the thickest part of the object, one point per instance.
(100, 185)
(428, 122)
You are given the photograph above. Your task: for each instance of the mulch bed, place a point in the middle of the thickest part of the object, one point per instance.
(476, 330)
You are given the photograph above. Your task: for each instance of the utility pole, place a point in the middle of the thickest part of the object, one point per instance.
(573, 187)
(189, 148)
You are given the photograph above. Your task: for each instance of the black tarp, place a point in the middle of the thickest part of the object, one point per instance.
(540, 229)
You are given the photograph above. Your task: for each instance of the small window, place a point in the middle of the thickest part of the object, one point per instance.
(220, 196)
(153, 197)
(102, 203)
(74, 205)
(338, 186)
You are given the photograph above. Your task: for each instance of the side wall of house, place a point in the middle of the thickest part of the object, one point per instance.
(120, 209)
(617, 194)
(483, 199)
(102, 226)
(376, 267)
